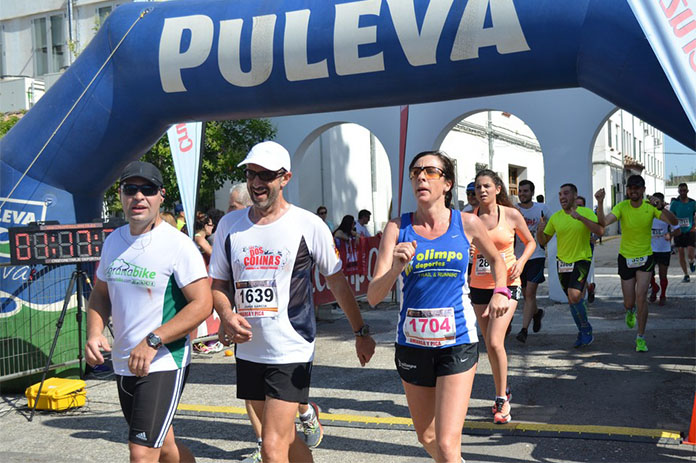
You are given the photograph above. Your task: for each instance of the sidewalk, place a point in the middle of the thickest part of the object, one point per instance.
(602, 403)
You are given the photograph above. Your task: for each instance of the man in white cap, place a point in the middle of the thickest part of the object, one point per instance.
(262, 267)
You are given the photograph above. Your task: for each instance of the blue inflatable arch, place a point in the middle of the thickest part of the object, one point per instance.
(156, 64)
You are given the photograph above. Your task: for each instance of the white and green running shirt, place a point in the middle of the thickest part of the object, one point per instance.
(144, 274)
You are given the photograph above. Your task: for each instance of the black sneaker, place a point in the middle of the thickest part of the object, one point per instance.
(536, 325)
(522, 335)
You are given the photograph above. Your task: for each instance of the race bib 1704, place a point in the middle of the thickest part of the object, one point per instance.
(430, 327)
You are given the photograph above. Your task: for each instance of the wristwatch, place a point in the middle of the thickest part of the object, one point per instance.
(504, 290)
(153, 341)
(364, 331)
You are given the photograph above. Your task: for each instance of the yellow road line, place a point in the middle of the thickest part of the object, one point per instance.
(480, 425)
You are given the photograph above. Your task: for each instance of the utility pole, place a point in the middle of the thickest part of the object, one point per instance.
(489, 134)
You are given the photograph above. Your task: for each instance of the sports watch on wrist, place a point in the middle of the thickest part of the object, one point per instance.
(504, 290)
(364, 331)
(153, 341)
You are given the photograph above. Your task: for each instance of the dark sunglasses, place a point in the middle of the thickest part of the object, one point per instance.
(264, 175)
(131, 189)
(431, 172)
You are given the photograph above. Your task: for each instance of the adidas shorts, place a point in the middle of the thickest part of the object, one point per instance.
(149, 403)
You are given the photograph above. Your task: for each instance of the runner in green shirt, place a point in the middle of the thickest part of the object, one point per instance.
(635, 259)
(572, 226)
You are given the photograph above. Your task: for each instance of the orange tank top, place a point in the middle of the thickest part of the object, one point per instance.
(503, 236)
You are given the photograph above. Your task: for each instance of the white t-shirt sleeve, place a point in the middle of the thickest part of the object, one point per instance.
(219, 267)
(188, 264)
(324, 250)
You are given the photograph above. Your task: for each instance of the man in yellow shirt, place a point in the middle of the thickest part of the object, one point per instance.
(572, 226)
(635, 259)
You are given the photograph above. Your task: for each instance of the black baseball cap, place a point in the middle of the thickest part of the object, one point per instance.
(143, 170)
(635, 180)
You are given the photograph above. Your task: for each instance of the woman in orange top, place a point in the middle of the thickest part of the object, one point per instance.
(503, 221)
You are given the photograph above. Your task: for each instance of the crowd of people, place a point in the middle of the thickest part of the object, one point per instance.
(461, 275)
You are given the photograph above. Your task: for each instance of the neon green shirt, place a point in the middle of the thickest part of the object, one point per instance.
(573, 236)
(636, 228)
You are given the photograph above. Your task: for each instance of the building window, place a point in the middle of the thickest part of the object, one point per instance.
(2, 56)
(103, 13)
(609, 133)
(50, 44)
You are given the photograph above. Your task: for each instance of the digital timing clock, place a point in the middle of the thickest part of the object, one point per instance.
(46, 243)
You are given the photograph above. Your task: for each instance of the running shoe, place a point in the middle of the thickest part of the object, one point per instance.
(536, 320)
(686, 279)
(590, 293)
(254, 457)
(312, 429)
(508, 398)
(692, 266)
(631, 318)
(502, 414)
(201, 348)
(653, 295)
(586, 338)
(522, 335)
(215, 347)
(641, 346)
(578, 341)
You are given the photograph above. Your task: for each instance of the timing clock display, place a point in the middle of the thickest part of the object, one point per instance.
(43, 243)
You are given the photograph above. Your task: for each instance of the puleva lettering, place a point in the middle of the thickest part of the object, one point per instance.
(17, 217)
(418, 45)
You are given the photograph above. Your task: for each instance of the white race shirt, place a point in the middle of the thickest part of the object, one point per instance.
(145, 274)
(270, 268)
(532, 216)
(659, 230)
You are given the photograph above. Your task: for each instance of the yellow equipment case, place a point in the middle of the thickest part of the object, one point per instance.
(57, 394)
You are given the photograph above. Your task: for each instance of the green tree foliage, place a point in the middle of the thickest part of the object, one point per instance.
(8, 120)
(226, 144)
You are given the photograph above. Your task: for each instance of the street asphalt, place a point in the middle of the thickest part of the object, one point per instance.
(604, 402)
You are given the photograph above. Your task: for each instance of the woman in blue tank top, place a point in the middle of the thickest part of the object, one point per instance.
(436, 350)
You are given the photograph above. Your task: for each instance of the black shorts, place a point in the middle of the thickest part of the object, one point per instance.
(662, 258)
(483, 296)
(685, 240)
(149, 403)
(421, 366)
(577, 278)
(627, 273)
(533, 271)
(284, 381)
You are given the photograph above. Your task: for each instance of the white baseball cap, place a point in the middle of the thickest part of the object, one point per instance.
(269, 155)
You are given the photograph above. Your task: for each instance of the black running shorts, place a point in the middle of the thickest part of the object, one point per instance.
(627, 273)
(662, 258)
(149, 403)
(421, 366)
(577, 277)
(533, 271)
(483, 296)
(685, 240)
(285, 381)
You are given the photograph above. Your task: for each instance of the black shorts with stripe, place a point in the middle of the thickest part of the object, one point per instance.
(149, 403)
(577, 277)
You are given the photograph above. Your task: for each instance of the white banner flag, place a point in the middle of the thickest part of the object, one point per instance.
(670, 26)
(185, 143)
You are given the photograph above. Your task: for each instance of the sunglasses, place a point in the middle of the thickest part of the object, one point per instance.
(431, 172)
(131, 189)
(264, 175)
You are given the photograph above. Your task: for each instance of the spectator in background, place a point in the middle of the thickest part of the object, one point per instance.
(202, 229)
(239, 197)
(215, 215)
(324, 214)
(540, 198)
(471, 197)
(363, 219)
(180, 218)
(169, 218)
(346, 231)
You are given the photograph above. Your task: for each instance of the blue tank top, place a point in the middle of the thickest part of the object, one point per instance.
(435, 307)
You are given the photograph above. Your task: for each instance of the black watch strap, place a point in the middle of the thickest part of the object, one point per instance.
(363, 331)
